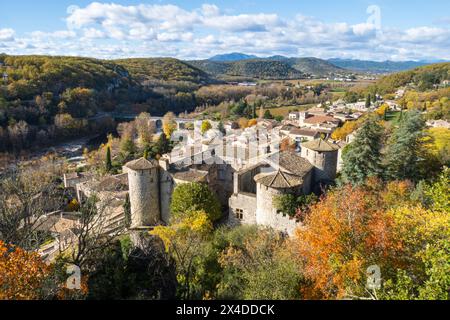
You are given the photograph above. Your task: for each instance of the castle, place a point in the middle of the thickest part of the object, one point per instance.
(244, 183)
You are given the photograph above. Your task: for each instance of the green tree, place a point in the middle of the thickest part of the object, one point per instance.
(406, 152)
(127, 211)
(221, 128)
(368, 101)
(362, 158)
(108, 162)
(268, 115)
(193, 197)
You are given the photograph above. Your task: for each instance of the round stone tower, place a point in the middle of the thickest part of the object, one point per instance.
(143, 181)
(323, 155)
(270, 185)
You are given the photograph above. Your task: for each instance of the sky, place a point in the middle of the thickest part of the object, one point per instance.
(356, 29)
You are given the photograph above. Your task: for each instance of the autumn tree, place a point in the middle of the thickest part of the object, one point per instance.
(169, 124)
(339, 242)
(206, 126)
(252, 123)
(342, 132)
(183, 239)
(24, 275)
(26, 196)
(145, 128)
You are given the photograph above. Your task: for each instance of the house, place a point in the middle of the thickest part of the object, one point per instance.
(317, 111)
(303, 134)
(322, 122)
(438, 124)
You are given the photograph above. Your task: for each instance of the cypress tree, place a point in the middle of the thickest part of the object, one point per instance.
(108, 162)
(362, 158)
(406, 149)
(368, 101)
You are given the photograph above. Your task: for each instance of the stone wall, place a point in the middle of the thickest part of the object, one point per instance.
(246, 203)
(266, 213)
(325, 163)
(144, 197)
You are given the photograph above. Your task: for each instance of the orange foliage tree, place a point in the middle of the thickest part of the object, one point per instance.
(346, 232)
(23, 274)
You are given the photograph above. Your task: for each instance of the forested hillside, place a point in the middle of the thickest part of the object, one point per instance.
(312, 66)
(422, 78)
(167, 69)
(253, 68)
(376, 66)
(45, 98)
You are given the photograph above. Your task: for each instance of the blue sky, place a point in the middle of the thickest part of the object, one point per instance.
(395, 30)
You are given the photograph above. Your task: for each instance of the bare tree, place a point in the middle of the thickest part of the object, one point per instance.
(25, 197)
(101, 222)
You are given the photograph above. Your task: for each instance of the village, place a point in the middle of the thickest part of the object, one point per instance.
(246, 168)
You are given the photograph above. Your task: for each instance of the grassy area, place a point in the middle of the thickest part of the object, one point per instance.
(284, 111)
(393, 117)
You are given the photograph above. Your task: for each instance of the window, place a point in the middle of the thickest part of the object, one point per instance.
(239, 214)
(221, 174)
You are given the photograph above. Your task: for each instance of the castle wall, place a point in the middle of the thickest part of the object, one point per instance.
(166, 187)
(266, 214)
(246, 203)
(144, 197)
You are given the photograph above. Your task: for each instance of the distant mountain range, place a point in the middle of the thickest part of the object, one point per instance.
(322, 67)
(376, 66)
(230, 57)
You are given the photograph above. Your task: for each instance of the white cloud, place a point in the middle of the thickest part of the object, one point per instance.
(7, 34)
(170, 30)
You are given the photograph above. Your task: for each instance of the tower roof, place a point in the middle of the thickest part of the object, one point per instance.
(142, 164)
(320, 145)
(279, 180)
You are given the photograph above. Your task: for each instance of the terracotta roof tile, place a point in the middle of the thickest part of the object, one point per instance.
(320, 145)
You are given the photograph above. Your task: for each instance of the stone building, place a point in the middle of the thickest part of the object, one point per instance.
(323, 155)
(255, 188)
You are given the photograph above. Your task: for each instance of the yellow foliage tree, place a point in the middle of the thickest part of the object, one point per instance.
(345, 130)
(22, 274)
(169, 124)
(243, 123)
(252, 123)
(182, 240)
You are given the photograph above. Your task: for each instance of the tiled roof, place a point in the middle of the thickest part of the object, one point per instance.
(279, 180)
(141, 164)
(304, 132)
(321, 119)
(291, 162)
(320, 145)
(191, 175)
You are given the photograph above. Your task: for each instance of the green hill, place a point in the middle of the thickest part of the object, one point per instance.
(167, 69)
(252, 68)
(311, 66)
(29, 76)
(422, 78)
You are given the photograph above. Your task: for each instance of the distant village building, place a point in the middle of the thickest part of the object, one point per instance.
(438, 124)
